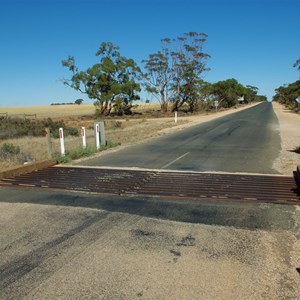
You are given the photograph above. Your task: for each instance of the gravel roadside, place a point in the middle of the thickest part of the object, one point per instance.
(289, 123)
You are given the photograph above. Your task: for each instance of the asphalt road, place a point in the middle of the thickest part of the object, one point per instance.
(64, 245)
(245, 141)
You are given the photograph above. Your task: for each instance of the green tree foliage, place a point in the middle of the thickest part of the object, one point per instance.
(288, 93)
(229, 92)
(261, 98)
(250, 93)
(112, 76)
(188, 65)
(174, 73)
(226, 92)
(297, 64)
(78, 101)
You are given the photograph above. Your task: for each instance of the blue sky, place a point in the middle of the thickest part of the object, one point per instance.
(254, 41)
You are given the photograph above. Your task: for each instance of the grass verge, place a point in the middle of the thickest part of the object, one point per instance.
(82, 152)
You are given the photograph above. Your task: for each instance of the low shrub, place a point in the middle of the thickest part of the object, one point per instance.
(10, 152)
(9, 149)
(82, 152)
(15, 127)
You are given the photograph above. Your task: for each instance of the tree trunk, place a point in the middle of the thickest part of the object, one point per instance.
(164, 105)
(174, 106)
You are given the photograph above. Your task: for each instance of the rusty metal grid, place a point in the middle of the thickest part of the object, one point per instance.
(239, 187)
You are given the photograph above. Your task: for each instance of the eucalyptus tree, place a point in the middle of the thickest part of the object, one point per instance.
(78, 101)
(158, 74)
(188, 65)
(288, 93)
(227, 92)
(113, 78)
(250, 93)
(174, 74)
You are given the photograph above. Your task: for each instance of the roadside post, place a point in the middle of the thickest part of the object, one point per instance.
(241, 99)
(102, 134)
(99, 132)
(83, 134)
(175, 116)
(62, 141)
(298, 101)
(216, 104)
(49, 143)
(97, 135)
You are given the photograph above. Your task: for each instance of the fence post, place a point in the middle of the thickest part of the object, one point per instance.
(47, 133)
(62, 141)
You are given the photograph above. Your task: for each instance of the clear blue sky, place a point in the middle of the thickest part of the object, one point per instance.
(254, 41)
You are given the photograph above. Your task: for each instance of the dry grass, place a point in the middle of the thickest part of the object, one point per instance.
(142, 107)
(121, 132)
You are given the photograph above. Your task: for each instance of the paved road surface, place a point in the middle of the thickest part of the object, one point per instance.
(246, 141)
(63, 245)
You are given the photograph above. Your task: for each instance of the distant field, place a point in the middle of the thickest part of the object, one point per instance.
(50, 110)
(53, 111)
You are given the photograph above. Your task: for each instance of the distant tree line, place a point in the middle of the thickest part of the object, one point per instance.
(77, 101)
(173, 75)
(288, 93)
(62, 103)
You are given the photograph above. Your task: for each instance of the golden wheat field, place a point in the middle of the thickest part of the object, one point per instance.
(51, 111)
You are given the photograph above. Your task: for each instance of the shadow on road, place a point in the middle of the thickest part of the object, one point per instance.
(241, 215)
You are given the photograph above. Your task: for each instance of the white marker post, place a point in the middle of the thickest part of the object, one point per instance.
(83, 137)
(216, 104)
(97, 135)
(298, 101)
(62, 141)
(175, 116)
